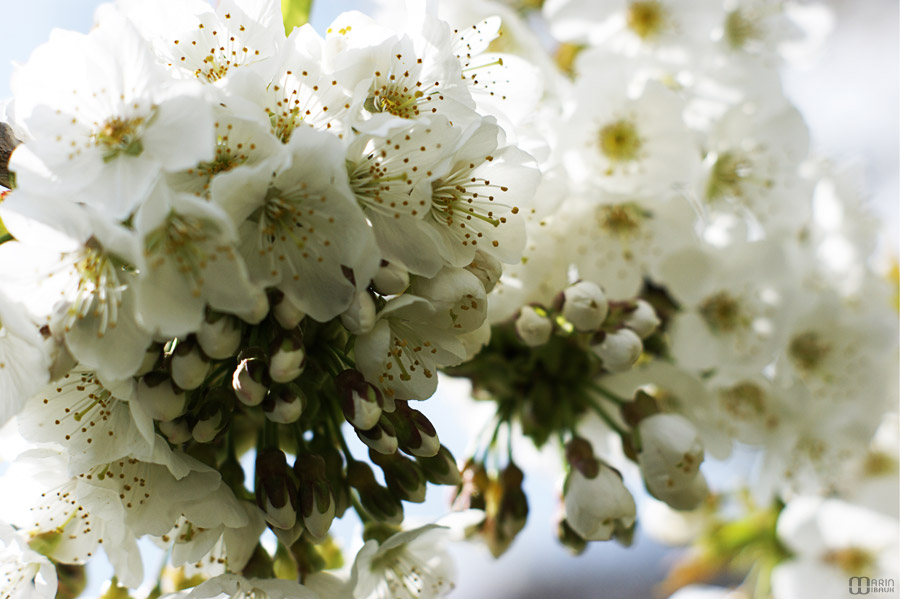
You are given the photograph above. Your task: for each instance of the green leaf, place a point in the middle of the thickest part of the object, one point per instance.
(295, 13)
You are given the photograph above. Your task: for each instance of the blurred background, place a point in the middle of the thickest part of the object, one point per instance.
(848, 93)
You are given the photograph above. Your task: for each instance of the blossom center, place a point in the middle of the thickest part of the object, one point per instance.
(722, 312)
(740, 29)
(120, 136)
(622, 220)
(744, 400)
(646, 18)
(98, 292)
(808, 351)
(620, 142)
(852, 560)
(181, 238)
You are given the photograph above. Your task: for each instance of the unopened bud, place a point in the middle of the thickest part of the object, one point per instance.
(585, 306)
(361, 401)
(580, 455)
(684, 497)
(70, 581)
(487, 268)
(158, 395)
(284, 405)
(375, 499)
(670, 457)
(511, 512)
(259, 310)
(334, 472)
(286, 311)
(287, 357)
(381, 438)
(276, 493)
(532, 327)
(569, 538)
(642, 320)
(595, 507)
(214, 414)
(619, 350)
(473, 488)
(151, 359)
(441, 469)
(415, 433)
(219, 336)
(251, 380)
(176, 431)
(316, 502)
(404, 478)
(359, 318)
(390, 278)
(189, 366)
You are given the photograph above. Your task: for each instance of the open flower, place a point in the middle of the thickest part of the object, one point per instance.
(408, 565)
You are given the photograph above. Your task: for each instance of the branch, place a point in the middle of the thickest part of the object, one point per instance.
(8, 143)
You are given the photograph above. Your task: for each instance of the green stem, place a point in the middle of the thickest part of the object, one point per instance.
(359, 509)
(493, 441)
(606, 417)
(335, 431)
(608, 394)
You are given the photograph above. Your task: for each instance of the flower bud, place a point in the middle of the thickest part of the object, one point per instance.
(487, 268)
(70, 581)
(532, 327)
(334, 472)
(159, 396)
(380, 438)
(619, 350)
(151, 359)
(316, 502)
(259, 310)
(176, 431)
(642, 320)
(189, 366)
(440, 469)
(359, 318)
(585, 306)
(390, 278)
(361, 401)
(471, 492)
(276, 493)
(284, 405)
(251, 380)
(415, 433)
(286, 311)
(670, 457)
(569, 538)
(377, 501)
(511, 512)
(214, 414)
(596, 506)
(684, 497)
(287, 357)
(580, 455)
(404, 478)
(219, 336)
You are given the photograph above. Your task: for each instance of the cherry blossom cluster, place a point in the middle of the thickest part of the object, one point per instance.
(680, 188)
(226, 249)
(233, 259)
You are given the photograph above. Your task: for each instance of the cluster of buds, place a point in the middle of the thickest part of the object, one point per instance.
(295, 499)
(614, 330)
